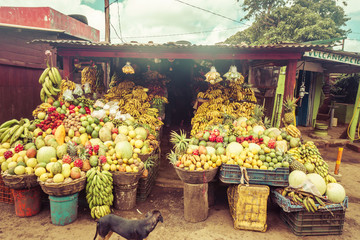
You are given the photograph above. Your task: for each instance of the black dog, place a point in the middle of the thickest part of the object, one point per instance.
(129, 229)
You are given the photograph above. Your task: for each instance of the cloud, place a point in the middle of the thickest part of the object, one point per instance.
(352, 45)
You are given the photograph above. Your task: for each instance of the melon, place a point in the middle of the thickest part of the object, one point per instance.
(105, 134)
(124, 148)
(56, 168)
(210, 150)
(45, 154)
(58, 178)
(335, 192)
(318, 181)
(120, 137)
(123, 130)
(140, 131)
(297, 178)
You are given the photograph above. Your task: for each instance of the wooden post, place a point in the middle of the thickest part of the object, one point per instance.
(196, 205)
(107, 21)
(290, 81)
(67, 68)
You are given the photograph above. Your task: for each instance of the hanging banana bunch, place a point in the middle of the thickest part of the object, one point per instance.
(50, 79)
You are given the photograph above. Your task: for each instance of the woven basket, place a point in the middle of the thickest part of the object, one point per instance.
(24, 181)
(124, 178)
(196, 177)
(63, 189)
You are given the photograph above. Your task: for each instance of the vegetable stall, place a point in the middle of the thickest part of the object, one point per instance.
(101, 134)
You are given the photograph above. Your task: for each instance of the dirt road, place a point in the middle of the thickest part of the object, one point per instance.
(218, 226)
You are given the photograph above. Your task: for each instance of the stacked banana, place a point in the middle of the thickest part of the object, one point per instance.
(100, 211)
(41, 108)
(50, 80)
(307, 200)
(309, 153)
(99, 189)
(293, 131)
(12, 130)
(99, 79)
(222, 102)
(66, 84)
(88, 75)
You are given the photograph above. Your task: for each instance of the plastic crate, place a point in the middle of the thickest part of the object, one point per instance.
(6, 195)
(278, 177)
(287, 206)
(248, 206)
(314, 224)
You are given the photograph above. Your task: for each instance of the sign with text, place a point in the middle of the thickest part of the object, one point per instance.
(334, 57)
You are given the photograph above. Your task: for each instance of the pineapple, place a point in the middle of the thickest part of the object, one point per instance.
(267, 123)
(72, 149)
(289, 104)
(180, 141)
(172, 157)
(294, 164)
(258, 113)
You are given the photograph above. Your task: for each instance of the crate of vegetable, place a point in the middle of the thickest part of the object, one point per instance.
(231, 174)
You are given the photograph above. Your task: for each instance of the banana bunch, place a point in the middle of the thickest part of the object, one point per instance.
(41, 108)
(88, 75)
(50, 80)
(128, 69)
(100, 211)
(12, 130)
(153, 122)
(65, 84)
(307, 200)
(99, 79)
(293, 131)
(99, 188)
(157, 100)
(86, 101)
(329, 179)
(117, 92)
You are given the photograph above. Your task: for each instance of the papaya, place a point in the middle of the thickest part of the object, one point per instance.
(60, 134)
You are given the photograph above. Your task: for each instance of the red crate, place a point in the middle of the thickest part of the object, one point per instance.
(5, 193)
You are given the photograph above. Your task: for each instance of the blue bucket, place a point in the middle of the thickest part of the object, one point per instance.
(63, 209)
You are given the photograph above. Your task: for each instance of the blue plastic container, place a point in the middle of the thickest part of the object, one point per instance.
(231, 174)
(63, 209)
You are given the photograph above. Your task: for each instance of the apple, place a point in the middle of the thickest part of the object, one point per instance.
(75, 173)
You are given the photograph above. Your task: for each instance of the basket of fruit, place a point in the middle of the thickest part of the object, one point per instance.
(67, 187)
(196, 177)
(22, 181)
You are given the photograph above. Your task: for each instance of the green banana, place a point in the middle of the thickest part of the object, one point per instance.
(42, 95)
(47, 92)
(5, 134)
(43, 75)
(57, 75)
(17, 134)
(9, 123)
(4, 129)
(312, 203)
(52, 78)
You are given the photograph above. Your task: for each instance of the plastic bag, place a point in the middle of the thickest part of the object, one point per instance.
(100, 114)
(87, 88)
(213, 76)
(99, 103)
(78, 90)
(108, 105)
(113, 110)
(68, 96)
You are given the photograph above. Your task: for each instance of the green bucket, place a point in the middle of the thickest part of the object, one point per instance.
(63, 209)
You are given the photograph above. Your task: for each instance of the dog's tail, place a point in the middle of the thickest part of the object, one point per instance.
(97, 229)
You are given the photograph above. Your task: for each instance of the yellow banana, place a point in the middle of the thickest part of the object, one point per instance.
(52, 78)
(47, 92)
(57, 75)
(43, 75)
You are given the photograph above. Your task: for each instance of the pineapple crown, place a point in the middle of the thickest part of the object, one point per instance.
(258, 112)
(179, 140)
(267, 122)
(172, 157)
(290, 103)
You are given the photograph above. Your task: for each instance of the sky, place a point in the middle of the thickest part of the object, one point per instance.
(164, 21)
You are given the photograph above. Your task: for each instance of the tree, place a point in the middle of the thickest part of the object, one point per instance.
(294, 21)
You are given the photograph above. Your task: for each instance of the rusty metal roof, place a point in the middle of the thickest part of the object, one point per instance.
(178, 44)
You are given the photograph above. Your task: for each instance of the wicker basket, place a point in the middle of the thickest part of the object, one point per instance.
(63, 189)
(24, 181)
(124, 178)
(6, 195)
(196, 177)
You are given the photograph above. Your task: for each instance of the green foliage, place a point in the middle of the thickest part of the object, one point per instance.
(297, 21)
(346, 85)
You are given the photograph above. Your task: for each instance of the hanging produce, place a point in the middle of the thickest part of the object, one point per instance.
(213, 76)
(233, 75)
(128, 69)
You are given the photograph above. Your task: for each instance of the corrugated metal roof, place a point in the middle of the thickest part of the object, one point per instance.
(179, 44)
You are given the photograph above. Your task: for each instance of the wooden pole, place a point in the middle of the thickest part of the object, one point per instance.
(196, 204)
(290, 81)
(355, 118)
(107, 21)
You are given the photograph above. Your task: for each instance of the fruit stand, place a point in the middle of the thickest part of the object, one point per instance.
(105, 140)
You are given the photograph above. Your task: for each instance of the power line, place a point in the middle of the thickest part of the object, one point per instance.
(217, 14)
(115, 31)
(183, 34)
(118, 12)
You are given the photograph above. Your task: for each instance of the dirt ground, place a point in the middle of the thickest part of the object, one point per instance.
(218, 225)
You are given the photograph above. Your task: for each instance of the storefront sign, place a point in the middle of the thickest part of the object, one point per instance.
(333, 57)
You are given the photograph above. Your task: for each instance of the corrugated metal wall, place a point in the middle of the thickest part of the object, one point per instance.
(19, 91)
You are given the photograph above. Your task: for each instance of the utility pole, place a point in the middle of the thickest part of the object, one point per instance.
(107, 21)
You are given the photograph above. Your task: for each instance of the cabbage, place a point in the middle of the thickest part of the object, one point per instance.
(234, 148)
(318, 181)
(254, 146)
(335, 192)
(297, 178)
